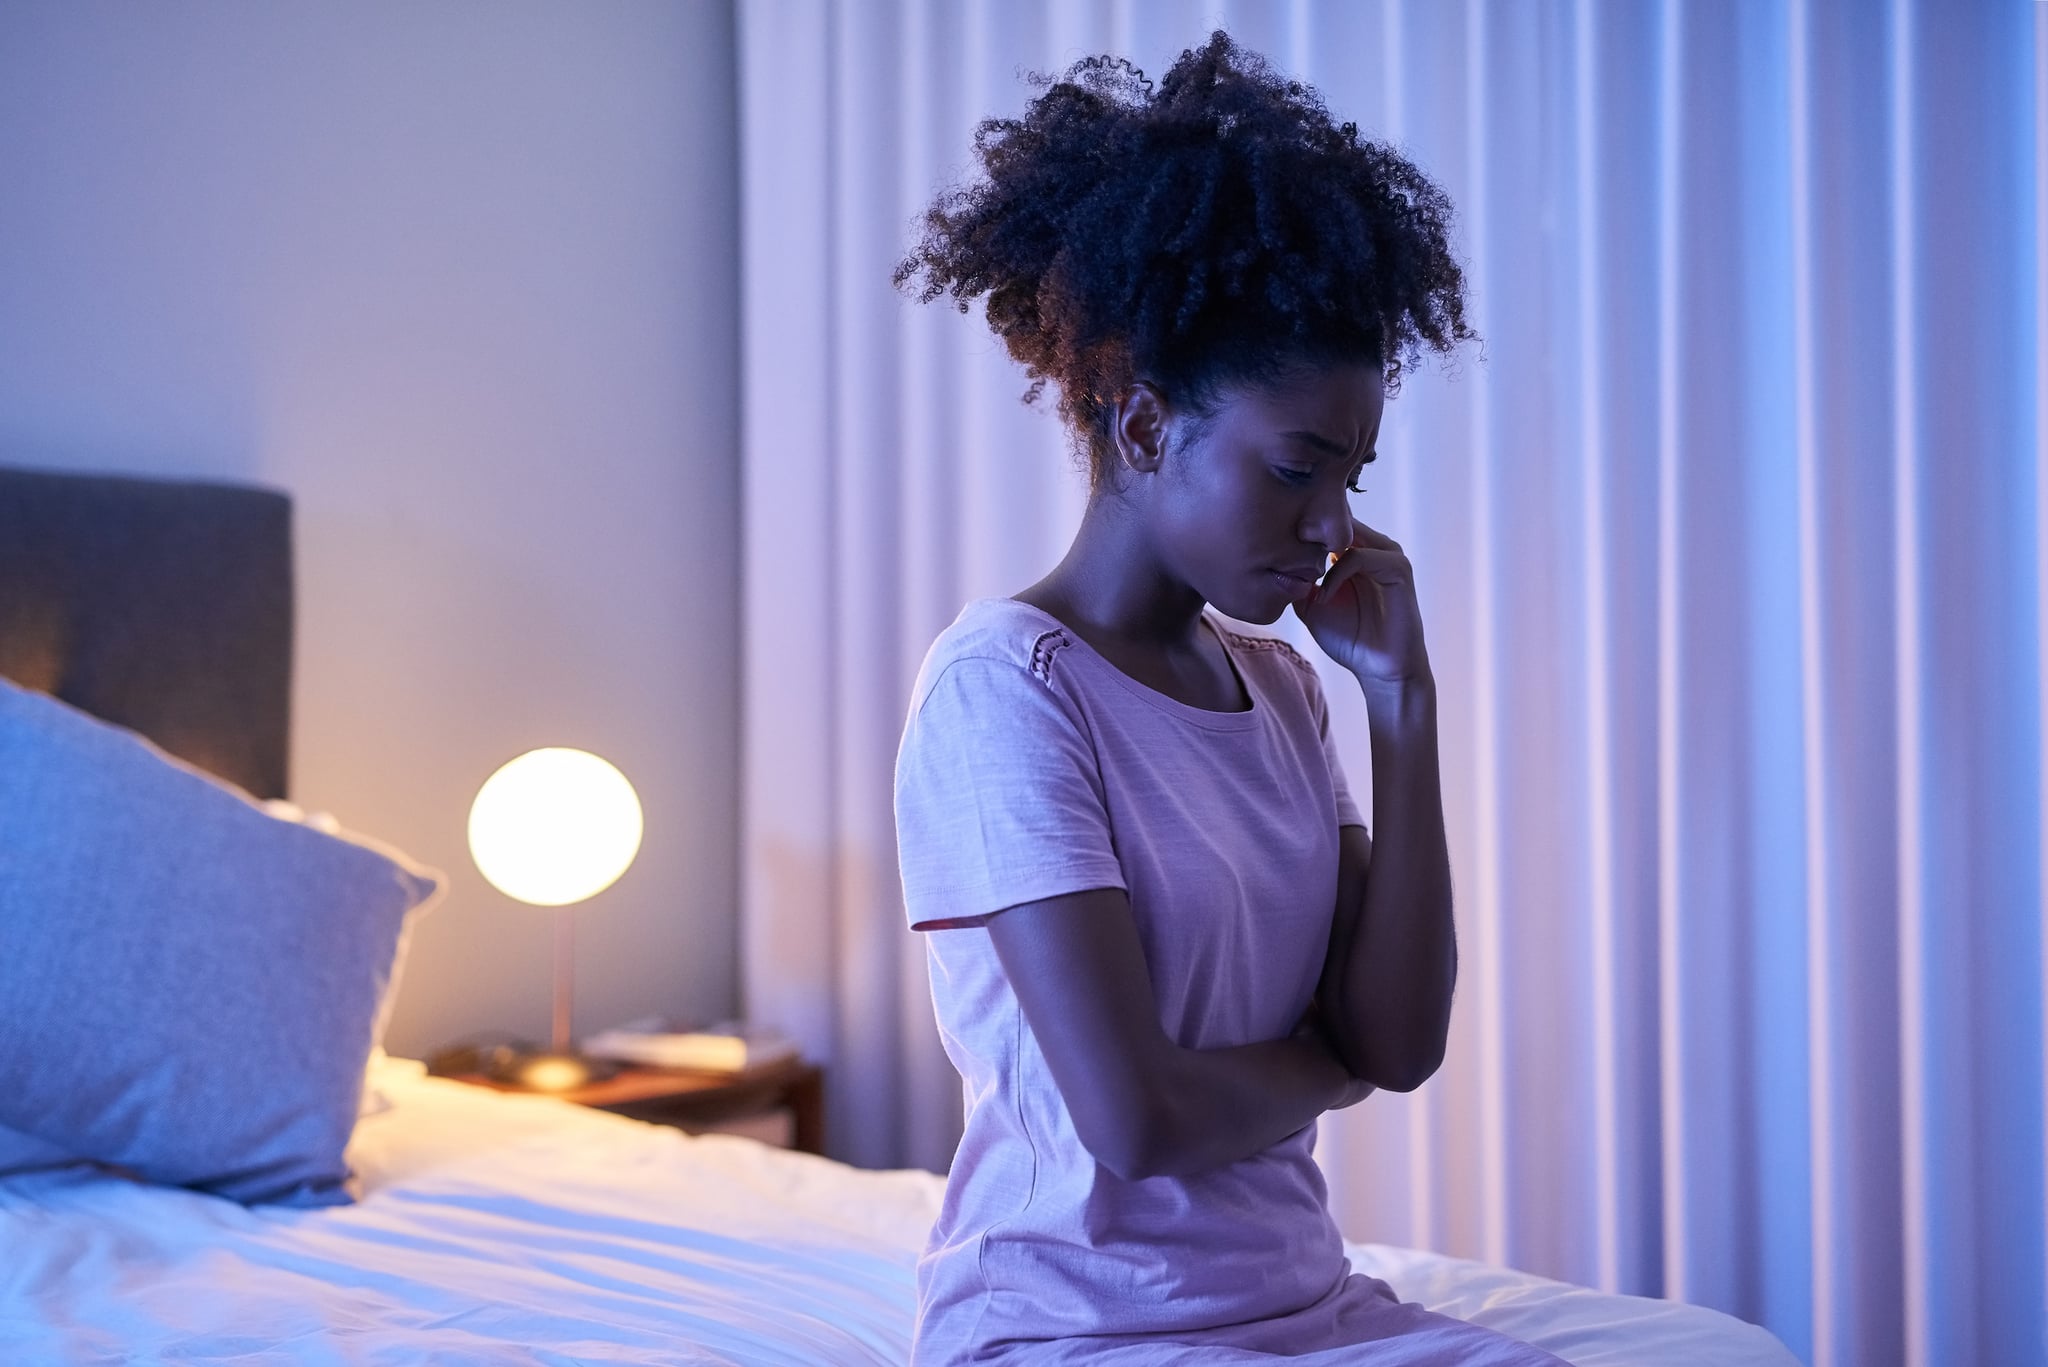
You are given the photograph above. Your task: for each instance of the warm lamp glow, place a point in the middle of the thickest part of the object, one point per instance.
(554, 826)
(553, 1073)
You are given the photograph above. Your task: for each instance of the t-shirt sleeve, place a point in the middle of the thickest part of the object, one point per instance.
(999, 800)
(1347, 809)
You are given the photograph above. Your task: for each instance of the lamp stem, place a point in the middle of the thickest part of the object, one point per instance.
(565, 974)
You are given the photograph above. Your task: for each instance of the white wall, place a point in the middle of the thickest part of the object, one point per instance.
(460, 278)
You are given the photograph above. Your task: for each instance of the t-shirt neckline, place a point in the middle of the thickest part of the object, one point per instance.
(1201, 716)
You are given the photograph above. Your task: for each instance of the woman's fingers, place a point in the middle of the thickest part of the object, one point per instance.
(1375, 575)
(1372, 555)
(1375, 551)
(1366, 537)
(1386, 567)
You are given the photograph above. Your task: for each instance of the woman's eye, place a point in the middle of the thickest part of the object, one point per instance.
(1353, 485)
(1289, 475)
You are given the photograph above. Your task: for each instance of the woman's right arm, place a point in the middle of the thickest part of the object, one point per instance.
(1143, 1105)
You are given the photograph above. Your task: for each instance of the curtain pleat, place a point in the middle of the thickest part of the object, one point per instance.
(789, 754)
(1730, 544)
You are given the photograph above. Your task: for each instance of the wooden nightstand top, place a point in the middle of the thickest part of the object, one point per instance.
(639, 1082)
(679, 1095)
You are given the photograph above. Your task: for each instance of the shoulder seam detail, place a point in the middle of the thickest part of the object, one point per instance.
(1043, 648)
(1272, 643)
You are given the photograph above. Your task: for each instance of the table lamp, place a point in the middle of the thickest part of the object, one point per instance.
(552, 828)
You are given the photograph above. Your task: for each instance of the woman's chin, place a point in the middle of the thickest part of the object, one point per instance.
(1264, 608)
(1260, 611)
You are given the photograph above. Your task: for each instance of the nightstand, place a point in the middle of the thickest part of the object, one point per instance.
(745, 1102)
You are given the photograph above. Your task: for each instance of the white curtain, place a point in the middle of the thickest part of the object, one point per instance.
(1731, 551)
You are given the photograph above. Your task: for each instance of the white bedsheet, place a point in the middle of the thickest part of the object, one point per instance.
(500, 1229)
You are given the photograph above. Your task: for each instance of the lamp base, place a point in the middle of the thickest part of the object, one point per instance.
(548, 1072)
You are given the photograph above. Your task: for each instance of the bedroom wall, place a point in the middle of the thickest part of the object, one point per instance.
(462, 279)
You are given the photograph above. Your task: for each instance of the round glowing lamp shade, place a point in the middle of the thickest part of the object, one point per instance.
(554, 826)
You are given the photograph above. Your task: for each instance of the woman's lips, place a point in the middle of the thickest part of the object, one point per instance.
(1297, 585)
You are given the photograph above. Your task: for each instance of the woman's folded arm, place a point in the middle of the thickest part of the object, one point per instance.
(1143, 1105)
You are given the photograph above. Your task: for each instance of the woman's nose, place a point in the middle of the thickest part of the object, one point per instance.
(1328, 523)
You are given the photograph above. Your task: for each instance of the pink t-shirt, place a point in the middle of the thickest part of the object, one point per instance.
(1031, 767)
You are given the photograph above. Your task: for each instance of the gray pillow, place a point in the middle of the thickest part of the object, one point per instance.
(189, 986)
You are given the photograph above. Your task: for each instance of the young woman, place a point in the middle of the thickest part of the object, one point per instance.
(1161, 940)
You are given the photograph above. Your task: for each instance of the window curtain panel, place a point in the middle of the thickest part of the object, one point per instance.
(1730, 545)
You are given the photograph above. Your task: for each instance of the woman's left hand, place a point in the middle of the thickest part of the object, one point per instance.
(1364, 613)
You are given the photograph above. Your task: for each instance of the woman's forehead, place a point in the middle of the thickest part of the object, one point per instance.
(1336, 404)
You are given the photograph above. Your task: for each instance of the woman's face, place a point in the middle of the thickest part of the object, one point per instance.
(1247, 506)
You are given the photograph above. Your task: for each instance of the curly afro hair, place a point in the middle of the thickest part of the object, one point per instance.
(1220, 230)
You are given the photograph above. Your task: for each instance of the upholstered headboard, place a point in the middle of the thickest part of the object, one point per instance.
(162, 606)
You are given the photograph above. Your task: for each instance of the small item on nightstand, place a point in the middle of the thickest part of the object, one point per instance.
(728, 1047)
(521, 1065)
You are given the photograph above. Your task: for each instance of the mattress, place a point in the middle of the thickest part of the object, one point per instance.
(497, 1228)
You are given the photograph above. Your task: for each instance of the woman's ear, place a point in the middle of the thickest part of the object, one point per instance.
(1139, 428)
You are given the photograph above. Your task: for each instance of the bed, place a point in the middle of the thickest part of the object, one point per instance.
(440, 1223)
